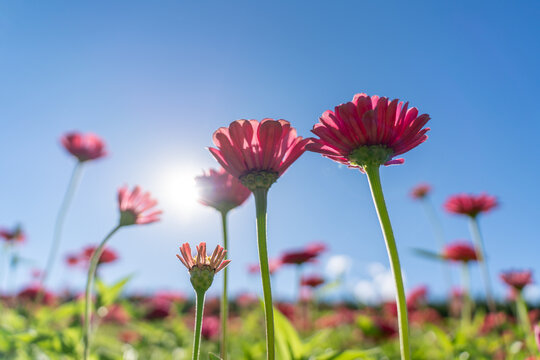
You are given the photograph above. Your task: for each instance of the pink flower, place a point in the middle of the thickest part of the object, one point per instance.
(537, 336)
(135, 207)
(298, 257)
(107, 256)
(72, 260)
(248, 146)
(369, 130)
(417, 297)
(117, 314)
(210, 327)
(317, 247)
(13, 236)
(84, 146)
(460, 251)
(420, 191)
(215, 263)
(517, 279)
(32, 293)
(470, 205)
(312, 281)
(221, 190)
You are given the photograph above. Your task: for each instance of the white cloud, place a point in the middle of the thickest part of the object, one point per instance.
(338, 266)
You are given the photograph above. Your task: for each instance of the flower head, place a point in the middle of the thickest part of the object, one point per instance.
(417, 297)
(221, 190)
(369, 131)
(460, 251)
(420, 191)
(298, 257)
(202, 268)
(470, 205)
(257, 153)
(517, 279)
(107, 256)
(135, 207)
(12, 236)
(84, 146)
(312, 281)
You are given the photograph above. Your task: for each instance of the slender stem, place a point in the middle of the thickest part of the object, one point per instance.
(224, 296)
(200, 295)
(87, 297)
(466, 311)
(439, 236)
(480, 252)
(261, 197)
(299, 284)
(60, 217)
(386, 227)
(523, 316)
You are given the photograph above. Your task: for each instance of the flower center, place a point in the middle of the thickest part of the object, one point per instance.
(370, 155)
(258, 180)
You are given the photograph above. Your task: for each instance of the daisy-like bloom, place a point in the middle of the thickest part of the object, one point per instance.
(470, 205)
(312, 281)
(298, 257)
(84, 146)
(460, 251)
(107, 255)
(221, 190)
(136, 207)
(517, 279)
(417, 297)
(317, 247)
(13, 236)
(257, 153)
(420, 191)
(72, 260)
(202, 268)
(369, 131)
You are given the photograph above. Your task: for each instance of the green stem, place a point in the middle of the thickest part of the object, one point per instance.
(466, 311)
(60, 217)
(224, 296)
(88, 292)
(200, 295)
(523, 316)
(439, 236)
(480, 252)
(386, 227)
(261, 197)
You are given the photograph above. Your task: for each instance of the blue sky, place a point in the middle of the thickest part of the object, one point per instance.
(156, 80)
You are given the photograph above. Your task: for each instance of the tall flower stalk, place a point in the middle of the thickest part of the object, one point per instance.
(135, 207)
(365, 134)
(471, 206)
(84, 147)
(517, 281)
(223, 192)
(464, 253)
(257, 154)
(202, 270)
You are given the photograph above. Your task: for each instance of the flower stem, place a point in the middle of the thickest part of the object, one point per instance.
(261, 197)
(224, 296)
(466, 311)
(200, 295)
(60, 217)
(374, 179)
(480, 252)
(523, 316)
(89, 282)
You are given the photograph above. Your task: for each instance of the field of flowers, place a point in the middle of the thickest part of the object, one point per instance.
(364, 134)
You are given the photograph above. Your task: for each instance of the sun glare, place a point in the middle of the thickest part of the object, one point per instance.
(178, 191)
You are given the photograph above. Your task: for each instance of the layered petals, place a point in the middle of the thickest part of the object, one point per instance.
(369, 121)
(517, 279)
(136, 206)
(221, 190)
(460, 251)
(84, 146)
(471, 205)
(248, 146)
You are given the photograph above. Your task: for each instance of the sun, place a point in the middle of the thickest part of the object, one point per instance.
(178, 192)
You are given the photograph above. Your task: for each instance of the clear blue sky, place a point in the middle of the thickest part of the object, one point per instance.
(155, 80)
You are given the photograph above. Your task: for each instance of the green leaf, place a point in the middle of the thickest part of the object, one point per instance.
(108, 294)
(288, 343)
(428, 254)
